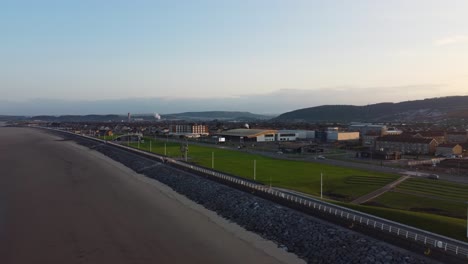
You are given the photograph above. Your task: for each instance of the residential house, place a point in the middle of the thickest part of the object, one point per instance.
(406, 145)
(457, 137)
(449, 149)
(439, 136)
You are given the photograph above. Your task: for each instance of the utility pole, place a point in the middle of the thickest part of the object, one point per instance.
(150, 146)
(321, 185)
(165, 153)
(255, 170)
(186, 149)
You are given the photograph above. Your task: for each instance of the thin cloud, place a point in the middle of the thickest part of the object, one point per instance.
(451, 40)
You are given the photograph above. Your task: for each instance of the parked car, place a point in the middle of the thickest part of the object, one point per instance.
(433, 176)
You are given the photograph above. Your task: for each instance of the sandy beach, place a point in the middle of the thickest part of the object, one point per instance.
(64, 203)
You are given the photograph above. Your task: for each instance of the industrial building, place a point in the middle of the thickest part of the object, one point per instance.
(334, 136)
(266, 135)
(368, 139)
(249, 135)
(305, 134)
(293, 135)
(286, 135)
(364, 128)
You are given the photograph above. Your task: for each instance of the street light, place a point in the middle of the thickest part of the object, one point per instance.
(321, 185)
(255, 170)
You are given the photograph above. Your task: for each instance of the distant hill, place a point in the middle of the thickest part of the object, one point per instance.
(79, 118)
(11, 118)
(188, 116)
(432, 109)
(220, 115)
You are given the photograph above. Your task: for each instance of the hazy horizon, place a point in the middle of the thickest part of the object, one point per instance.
(61, 57)
(297, 100)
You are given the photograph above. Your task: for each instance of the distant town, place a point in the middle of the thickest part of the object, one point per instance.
(372, 141)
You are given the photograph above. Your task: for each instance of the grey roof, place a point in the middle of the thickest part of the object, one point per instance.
(244, 132)
(404, 139)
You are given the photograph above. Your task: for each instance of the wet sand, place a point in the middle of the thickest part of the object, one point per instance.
(63, 203)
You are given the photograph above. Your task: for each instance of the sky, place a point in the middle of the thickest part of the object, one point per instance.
(264, 56)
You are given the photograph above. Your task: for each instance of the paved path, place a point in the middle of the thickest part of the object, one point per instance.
(377, 193)
(63, 203)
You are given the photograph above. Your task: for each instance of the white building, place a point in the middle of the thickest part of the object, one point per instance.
(286, 135)
(392, 131)
(293, 135)
(305, 134)
(243, 135)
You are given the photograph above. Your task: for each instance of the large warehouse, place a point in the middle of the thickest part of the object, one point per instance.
(249, 135)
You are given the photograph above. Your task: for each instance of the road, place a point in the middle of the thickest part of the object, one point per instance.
(63, 203)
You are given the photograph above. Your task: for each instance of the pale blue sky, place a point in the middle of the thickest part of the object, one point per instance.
(370, 50)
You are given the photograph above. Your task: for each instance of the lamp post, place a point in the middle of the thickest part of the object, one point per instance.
(212, 160)
(186, 149)
(321, 185)
(255, 170)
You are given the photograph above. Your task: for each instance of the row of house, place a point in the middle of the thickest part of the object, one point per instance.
(418, 143)
(383, 139)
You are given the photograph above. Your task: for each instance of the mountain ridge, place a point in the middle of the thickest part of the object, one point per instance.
(430, 109)
(187, 116)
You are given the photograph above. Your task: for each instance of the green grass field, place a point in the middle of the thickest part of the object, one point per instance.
(447, 226)
(429, 196)
(339, 183)
(109, 137)
(440, 214)
(410, 202)
(440, 189)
